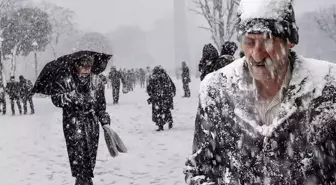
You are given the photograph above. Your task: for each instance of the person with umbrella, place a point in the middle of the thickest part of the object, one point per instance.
(75, 86)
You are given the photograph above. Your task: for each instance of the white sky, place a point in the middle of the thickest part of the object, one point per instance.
(106, 15)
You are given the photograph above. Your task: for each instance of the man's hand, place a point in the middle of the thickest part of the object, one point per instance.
(106, 128)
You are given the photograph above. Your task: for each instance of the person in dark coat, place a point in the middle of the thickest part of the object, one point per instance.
(3, 99)
(25, 95)
(229, 48)
(103, 83)
(211, 61)
(209, 57)
(161, 91)
(267, 118)
(13, 90)
(116, 78)
(185, 79)
(84, 107)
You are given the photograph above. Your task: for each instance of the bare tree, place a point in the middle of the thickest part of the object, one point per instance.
(220, 16)
(327, 21)
(62, 22)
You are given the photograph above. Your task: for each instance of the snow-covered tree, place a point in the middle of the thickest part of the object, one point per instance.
(22, 29)
(327, 21)
(6, 8)
(220, 16)
(62, 24)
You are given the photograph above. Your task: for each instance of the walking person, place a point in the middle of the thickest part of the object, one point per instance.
(25, 95)
(185, 79)
(116, 78)
(161, 91)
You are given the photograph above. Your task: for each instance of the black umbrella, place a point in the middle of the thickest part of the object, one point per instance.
(63, 65)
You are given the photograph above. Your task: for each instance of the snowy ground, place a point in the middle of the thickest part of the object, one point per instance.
(32, 148)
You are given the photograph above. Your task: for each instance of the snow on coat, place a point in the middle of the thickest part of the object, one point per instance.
(81, 121)
(161, 91)
(231, 146)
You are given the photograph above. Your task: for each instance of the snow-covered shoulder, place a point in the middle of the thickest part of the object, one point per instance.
(322, 73)
(220, 80)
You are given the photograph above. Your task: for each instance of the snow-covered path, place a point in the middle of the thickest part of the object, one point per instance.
(32, 148)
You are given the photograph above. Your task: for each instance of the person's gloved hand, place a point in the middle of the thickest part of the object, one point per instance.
(104, 119)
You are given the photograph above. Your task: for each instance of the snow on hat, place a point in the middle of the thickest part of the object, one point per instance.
(275, 17)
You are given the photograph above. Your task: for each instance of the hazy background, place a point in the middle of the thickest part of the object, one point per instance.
(141, 31)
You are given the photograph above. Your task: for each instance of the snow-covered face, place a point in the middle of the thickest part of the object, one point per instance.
(267, 57)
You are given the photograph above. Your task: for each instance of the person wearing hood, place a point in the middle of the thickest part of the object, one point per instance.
(84, 107)
(229, 48)
(25, 95)
(161, 91)
(269, 117)
(209, 58)
(211, 61)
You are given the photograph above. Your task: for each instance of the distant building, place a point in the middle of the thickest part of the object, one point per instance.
(181, 45)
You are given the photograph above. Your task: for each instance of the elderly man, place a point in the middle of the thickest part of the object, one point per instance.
(269, 117)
